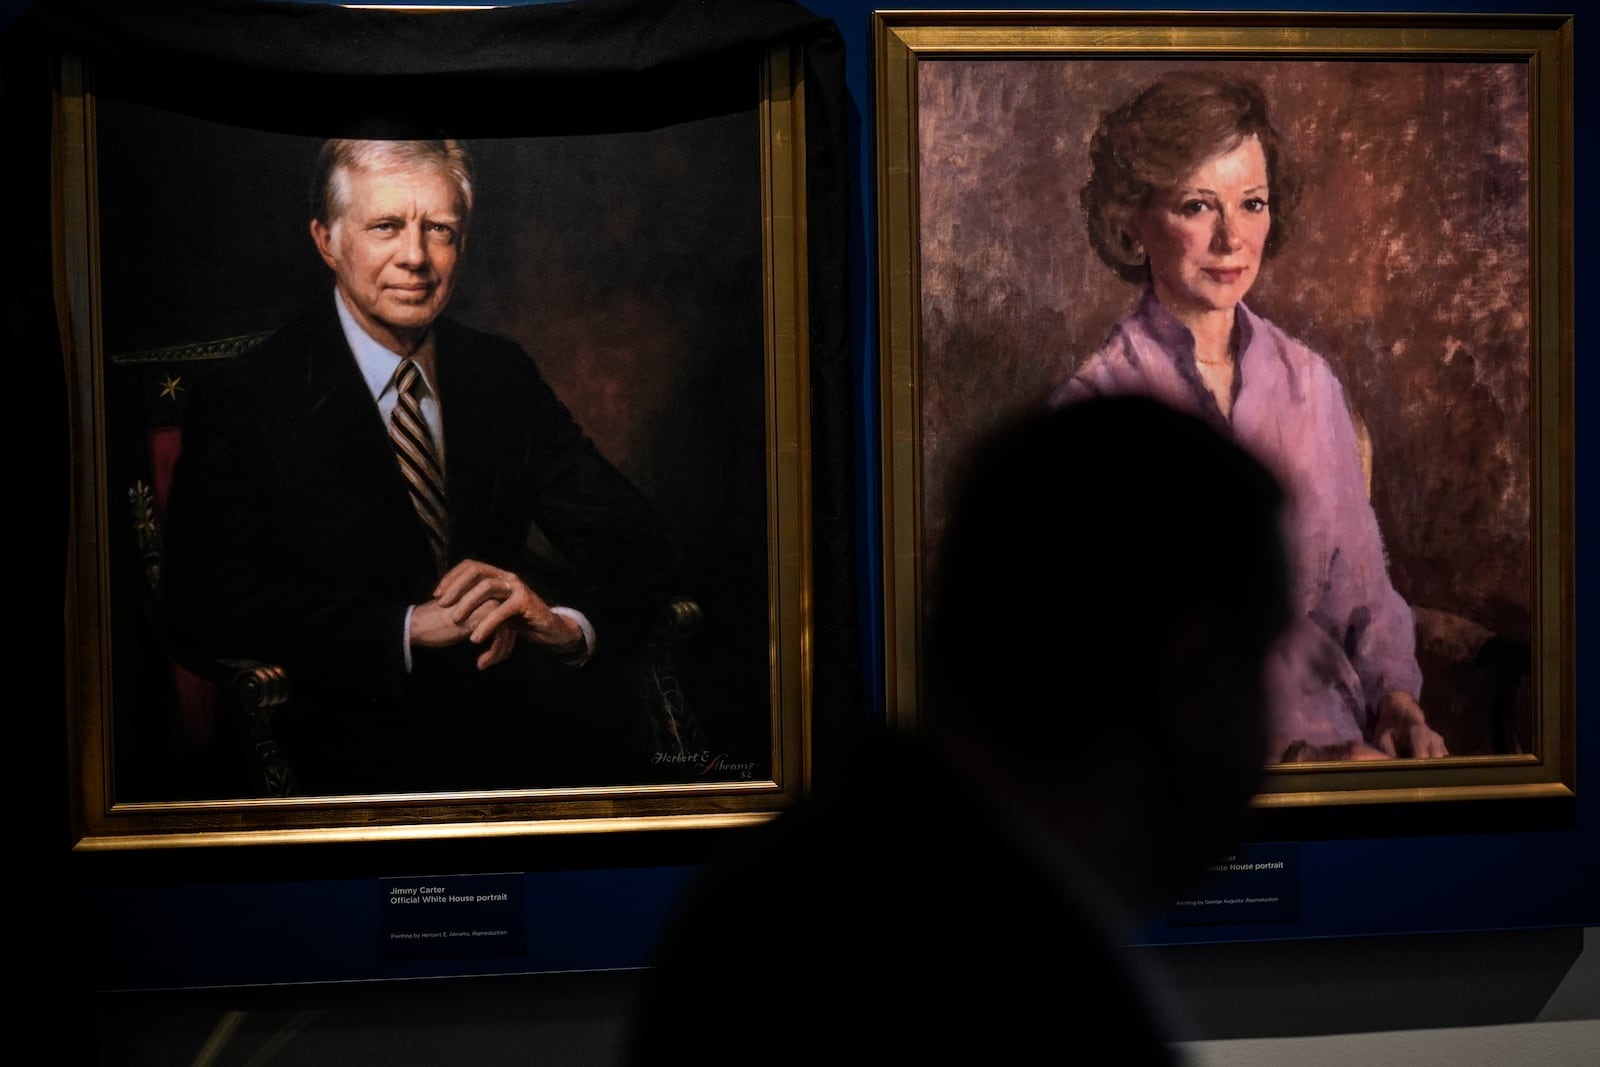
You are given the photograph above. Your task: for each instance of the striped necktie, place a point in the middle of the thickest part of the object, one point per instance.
(419, 461)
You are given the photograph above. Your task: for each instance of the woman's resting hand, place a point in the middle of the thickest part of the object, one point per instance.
(1402, 729)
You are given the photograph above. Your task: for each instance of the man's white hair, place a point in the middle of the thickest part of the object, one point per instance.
(330, 188)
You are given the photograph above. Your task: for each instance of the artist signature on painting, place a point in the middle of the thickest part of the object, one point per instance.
(706, 763)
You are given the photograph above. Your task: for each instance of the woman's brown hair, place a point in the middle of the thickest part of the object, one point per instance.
(1163, 133)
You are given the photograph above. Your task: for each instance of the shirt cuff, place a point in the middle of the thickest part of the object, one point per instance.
(405, 636)
(581, 656)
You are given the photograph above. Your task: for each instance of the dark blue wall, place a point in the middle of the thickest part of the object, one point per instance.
(165, 921)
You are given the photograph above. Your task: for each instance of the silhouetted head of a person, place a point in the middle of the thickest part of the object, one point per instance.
(1111, 581)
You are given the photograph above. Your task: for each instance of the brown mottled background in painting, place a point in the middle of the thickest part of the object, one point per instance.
(1408, 271)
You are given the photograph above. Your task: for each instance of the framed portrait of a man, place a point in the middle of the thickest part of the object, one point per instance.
(1342, 240)
(442, 456)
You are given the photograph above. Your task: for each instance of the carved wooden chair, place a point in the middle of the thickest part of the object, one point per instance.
(224, 710)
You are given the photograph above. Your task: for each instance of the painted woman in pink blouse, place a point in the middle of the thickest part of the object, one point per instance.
(1189, 193)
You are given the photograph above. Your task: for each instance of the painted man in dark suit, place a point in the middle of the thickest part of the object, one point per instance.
(356, 500)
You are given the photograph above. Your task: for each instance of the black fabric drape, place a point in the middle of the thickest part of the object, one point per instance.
(586, 65)
(579, 39)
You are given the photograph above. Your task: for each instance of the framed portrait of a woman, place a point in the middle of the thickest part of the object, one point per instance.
(1342, 240)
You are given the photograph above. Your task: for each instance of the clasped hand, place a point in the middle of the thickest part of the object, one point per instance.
(489, 606)
(1400, 730)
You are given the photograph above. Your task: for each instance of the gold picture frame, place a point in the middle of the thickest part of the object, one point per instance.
(114, 520)
(983, 121)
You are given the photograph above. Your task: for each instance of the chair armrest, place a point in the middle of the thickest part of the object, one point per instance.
(676, 728)
(257, 690)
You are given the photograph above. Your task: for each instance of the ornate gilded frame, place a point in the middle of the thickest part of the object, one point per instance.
(909, 45)
(103, 820)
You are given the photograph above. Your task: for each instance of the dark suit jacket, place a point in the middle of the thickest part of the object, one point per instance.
(291, 538)
(898, 918)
